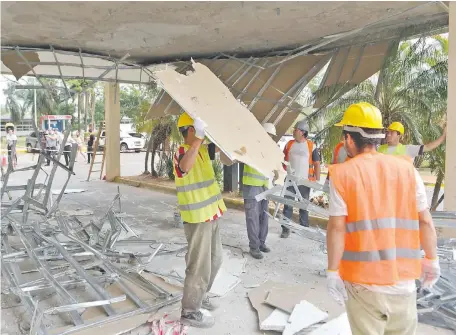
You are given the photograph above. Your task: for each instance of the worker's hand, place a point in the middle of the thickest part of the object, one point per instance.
(200, 127)
(430, 272)
(336, 287)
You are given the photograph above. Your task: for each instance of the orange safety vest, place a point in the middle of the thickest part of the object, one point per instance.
(337, 149)
(382, 239)
(310, 144)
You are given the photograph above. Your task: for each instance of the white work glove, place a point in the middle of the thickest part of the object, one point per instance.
(336, 287)
(200, 127)
(430, 272)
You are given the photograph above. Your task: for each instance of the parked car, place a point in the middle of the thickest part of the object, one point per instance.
(127, 142)
(139, 135)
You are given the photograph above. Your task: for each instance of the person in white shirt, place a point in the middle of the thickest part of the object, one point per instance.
(304, 162)
(11, 140)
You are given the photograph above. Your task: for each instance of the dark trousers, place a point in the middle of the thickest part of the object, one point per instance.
(89, 153)
(66, 154)
(257, 222)
(288, 210)
(50, 152)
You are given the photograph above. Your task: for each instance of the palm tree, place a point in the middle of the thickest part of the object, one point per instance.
(410, 88)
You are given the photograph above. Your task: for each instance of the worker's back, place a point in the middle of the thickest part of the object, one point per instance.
(382, 243)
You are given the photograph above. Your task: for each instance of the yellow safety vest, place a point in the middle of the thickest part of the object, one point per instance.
(399, 151)
(198, 193)
(252, 177)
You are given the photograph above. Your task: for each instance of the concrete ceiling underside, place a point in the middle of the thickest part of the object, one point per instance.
(153, 32)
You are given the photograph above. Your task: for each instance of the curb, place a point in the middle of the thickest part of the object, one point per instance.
(229, 202)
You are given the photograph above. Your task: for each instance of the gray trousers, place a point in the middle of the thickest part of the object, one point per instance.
(257, 222)
(288, 210)
(204, 259)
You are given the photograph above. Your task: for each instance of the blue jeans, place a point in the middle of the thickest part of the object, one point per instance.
(303, 214)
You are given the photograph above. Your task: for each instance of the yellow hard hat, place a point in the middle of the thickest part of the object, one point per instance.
(185, 120)
(397, 126)
(362, 115)
(9, 125)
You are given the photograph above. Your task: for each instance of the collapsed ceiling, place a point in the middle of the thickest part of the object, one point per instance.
(163, 31)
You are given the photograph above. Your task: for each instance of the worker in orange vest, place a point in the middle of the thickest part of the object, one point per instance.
(339, 154)
(304, 162)
(379, 220)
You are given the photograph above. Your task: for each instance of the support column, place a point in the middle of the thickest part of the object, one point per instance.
(112, 124)
(450, 161)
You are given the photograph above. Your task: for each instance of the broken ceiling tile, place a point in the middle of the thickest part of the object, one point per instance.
(337, 326)
(231, 126)
(276, 321)
(304, 315)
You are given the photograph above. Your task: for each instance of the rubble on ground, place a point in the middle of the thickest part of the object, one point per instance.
(56, 263)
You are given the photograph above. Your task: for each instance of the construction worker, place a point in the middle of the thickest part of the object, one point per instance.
(393, 147)
(304, 162)
(375, 230)
(200, 205)
(255, 211)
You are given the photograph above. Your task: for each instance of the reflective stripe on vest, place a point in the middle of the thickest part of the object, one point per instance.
(382, 224)
(198, 194)
(382, 241)
(201, 204)
(381, 255)
(287, 149)
(400, 150)
(195, 186)
(252, 177)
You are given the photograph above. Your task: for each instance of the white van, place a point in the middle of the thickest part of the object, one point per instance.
(127, 142)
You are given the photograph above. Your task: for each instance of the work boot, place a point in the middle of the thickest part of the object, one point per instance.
(285, 233)
(198, 319)
(208, 304)
(264, 248)
(256, 253)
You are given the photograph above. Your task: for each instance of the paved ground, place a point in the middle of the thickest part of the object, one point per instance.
(295, 260)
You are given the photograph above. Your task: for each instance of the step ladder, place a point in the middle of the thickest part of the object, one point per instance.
(95, 153)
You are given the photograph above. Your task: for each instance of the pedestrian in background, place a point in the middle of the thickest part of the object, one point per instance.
(51, 145)
(79, 141)
(90, 148)
(11, 140)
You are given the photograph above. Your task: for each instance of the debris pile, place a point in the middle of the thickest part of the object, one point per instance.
(282, 307)
(437, 306)
(57, 265)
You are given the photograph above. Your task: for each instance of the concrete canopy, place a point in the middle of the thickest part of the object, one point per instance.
(154, 32)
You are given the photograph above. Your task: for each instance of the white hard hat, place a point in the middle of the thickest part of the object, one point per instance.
(270, 128)
(302, 125)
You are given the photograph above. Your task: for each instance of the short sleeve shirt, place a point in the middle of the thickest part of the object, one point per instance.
(410, 150)
(298, 158)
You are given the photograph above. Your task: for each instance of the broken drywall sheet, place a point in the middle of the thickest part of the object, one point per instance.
(257, 296)
(337, 326)
(276, 321)
(231, 126)
(304, 315)
(286, 298)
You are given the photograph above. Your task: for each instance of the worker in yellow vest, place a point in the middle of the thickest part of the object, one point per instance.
(255, 211)
(200, 205)
(374, 250)
(394, 147)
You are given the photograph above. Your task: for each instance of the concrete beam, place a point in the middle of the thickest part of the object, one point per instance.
(450, 162)
(112, 119)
